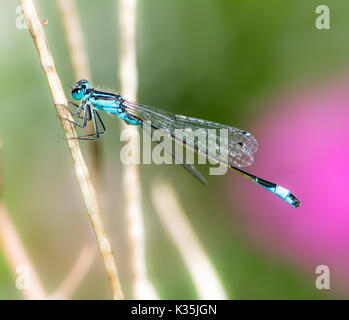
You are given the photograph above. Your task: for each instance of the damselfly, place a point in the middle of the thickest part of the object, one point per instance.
(241, 145)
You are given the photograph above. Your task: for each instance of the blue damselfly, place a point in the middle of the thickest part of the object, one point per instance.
(240, 148)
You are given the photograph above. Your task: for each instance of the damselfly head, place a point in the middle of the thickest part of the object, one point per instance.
(80, 89)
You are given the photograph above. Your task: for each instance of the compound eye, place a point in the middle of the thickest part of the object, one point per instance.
(77, 93)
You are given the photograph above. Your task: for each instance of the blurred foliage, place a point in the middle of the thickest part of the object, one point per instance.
(216, 60)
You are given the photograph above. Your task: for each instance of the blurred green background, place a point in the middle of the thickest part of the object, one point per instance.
(216, 60)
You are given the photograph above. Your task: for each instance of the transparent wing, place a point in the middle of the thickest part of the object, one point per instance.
(172, 151)
(239, 148)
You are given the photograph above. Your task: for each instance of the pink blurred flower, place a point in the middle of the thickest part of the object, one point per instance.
(304, 146)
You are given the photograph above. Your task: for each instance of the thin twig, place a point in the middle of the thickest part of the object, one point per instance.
(15, 254)
(143, 289)
(1, 178)
(178, 227)
(17, 258)
(79, 60)
(75, 39)
(88, 192)
(76, 275)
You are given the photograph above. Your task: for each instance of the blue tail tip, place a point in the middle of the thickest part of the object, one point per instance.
(293, 201)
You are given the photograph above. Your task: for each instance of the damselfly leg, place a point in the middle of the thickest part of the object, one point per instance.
(88, 115)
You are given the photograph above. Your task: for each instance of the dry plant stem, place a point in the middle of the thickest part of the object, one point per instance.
(142, 287)
(178, 227)
(15, 253)
(76, 274)
(18, 259)
(75, 39)
(16, 256)
(35, 27)
(0, 170)
(79, 60)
